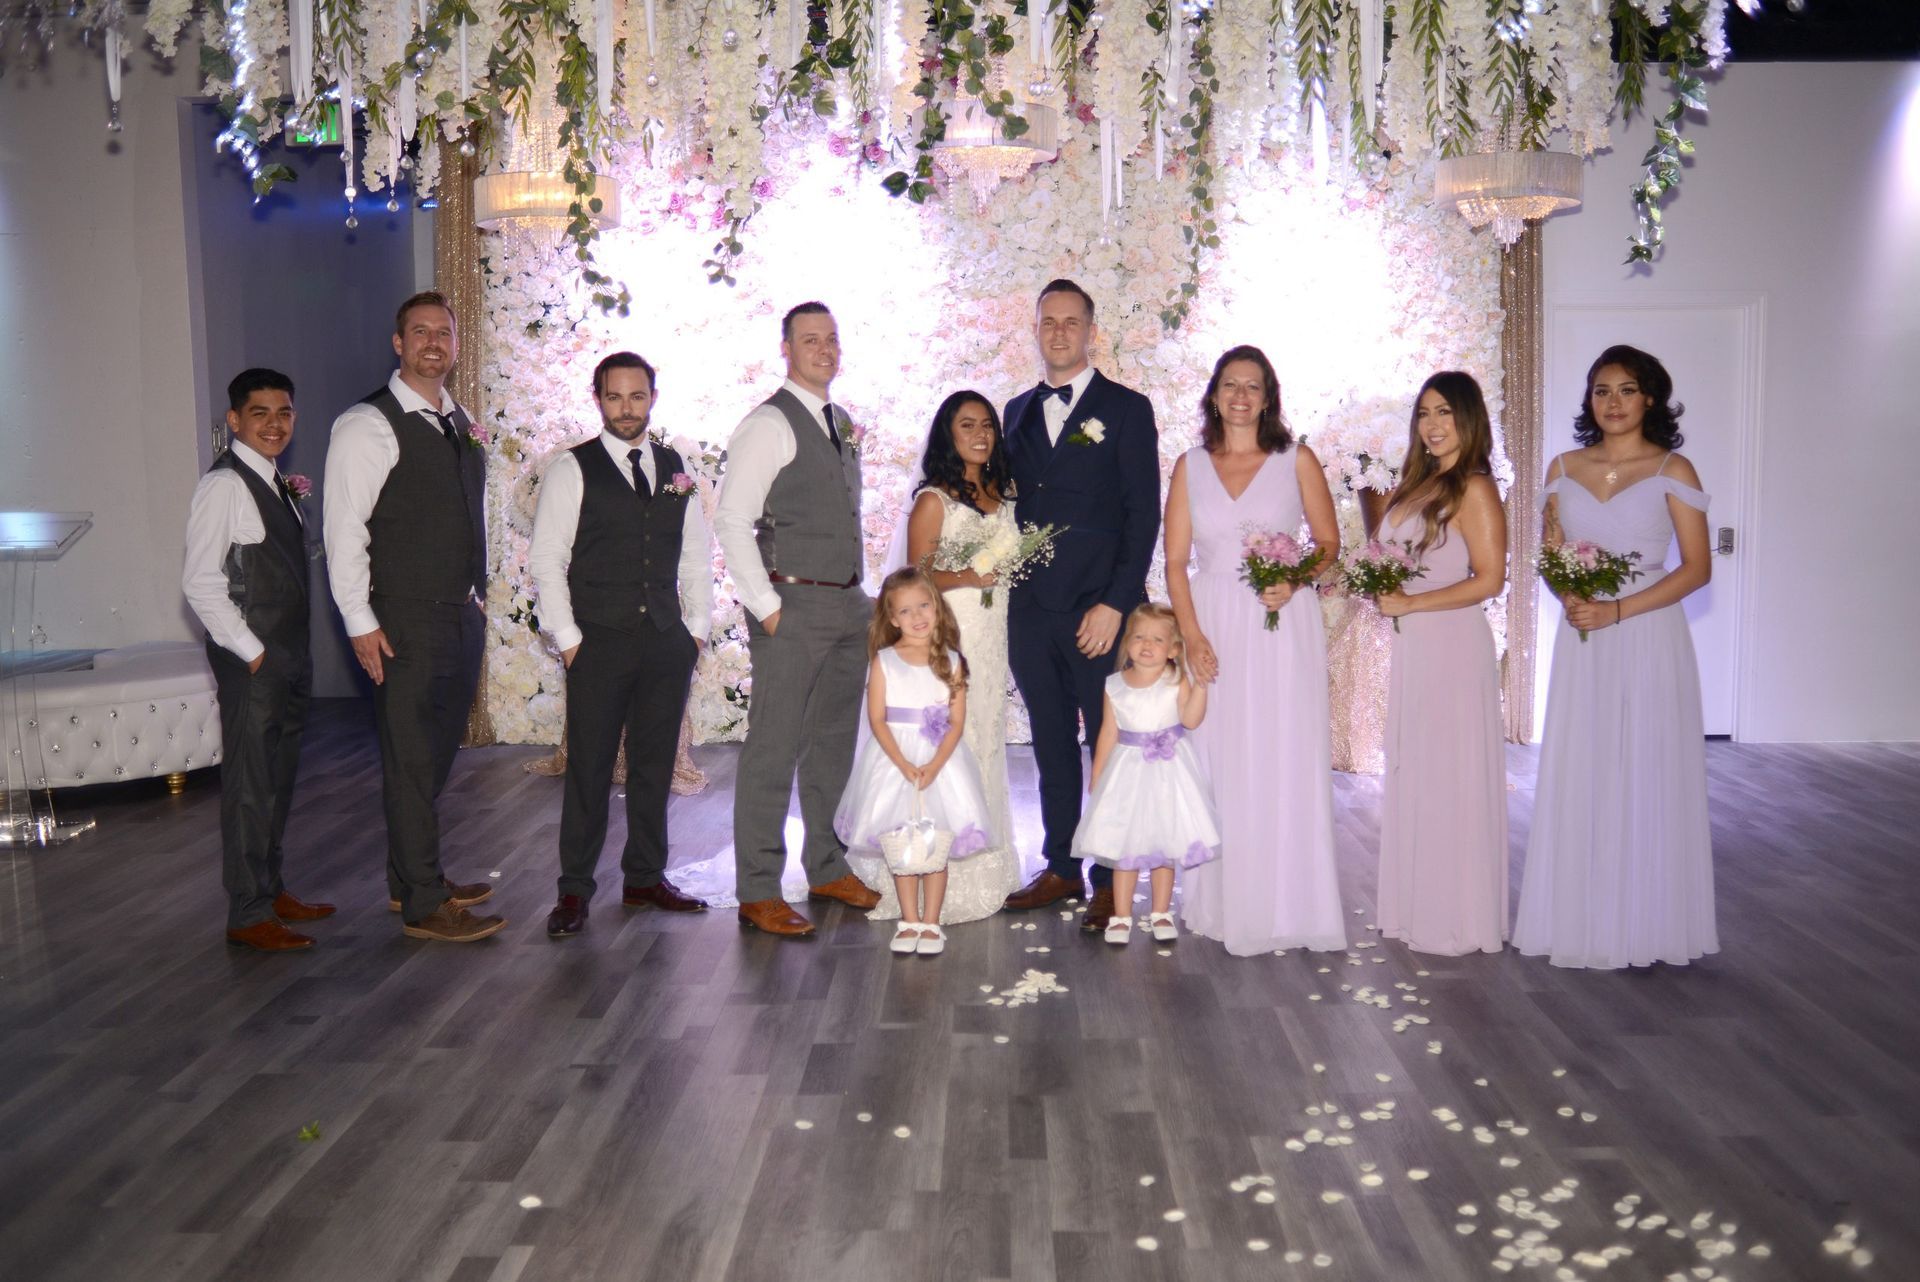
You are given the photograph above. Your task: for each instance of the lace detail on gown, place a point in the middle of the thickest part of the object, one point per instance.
(978, 885)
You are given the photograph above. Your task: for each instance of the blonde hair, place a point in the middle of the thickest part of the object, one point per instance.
(1152, 612)
(942, 647)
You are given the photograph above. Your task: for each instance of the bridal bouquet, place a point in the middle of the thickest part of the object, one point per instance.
(1004, 552)
(1380, 568)
(1585, 570)
(1272, 558)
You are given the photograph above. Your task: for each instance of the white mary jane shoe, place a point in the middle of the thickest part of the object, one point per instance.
(1164, 931)
(906, 939)
(932, 945)
(1119, 929)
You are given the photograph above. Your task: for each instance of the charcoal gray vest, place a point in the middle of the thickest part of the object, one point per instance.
(810, 525)
(268, 579)
(625, 570)
(428, 531)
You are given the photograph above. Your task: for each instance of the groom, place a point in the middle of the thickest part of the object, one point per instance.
(1086, 457)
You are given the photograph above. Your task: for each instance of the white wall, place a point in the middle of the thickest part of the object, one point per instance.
(1806, 193)
(100, 396)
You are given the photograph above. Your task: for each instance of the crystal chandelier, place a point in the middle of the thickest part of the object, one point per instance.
(529, 192)
(1507, 186)
(974, 148)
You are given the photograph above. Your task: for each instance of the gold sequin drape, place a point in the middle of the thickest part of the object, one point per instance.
(456, 273)
(1522, 363)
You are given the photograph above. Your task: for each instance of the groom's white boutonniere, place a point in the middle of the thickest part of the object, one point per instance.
(1090, 432)
(852, 434)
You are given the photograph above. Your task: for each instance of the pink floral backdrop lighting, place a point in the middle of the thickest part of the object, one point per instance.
(1353, 283)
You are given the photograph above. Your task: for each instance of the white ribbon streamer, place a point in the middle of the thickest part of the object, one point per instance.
(300, 51)
(603, 54)
(113, 64)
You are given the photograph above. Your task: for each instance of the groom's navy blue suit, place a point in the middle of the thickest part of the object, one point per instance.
(1107, 495)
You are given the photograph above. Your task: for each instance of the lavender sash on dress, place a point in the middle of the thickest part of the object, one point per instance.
(932, 720)
(1155, 745)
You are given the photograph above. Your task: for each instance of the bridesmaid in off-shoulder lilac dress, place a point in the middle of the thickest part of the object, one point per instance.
(1620, 858)
(1443, 829)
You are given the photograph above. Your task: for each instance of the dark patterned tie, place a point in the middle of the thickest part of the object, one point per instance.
(640, 485)
(833, 428)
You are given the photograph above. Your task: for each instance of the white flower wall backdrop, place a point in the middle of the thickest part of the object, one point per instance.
(1353, 283)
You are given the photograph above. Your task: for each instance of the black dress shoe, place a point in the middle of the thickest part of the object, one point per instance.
(569, 917)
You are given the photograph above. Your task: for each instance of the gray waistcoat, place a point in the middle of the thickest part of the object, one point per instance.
(810, 525)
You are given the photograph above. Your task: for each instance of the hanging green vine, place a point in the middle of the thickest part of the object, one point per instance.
(1203, 232)
(1680, 48)
(960, 54)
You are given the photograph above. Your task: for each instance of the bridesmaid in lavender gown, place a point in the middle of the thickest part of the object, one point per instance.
(1620, 858)
(1443, 832)
(1265, 747)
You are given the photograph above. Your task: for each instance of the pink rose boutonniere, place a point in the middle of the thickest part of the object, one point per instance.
(298, 485)
(680, 484)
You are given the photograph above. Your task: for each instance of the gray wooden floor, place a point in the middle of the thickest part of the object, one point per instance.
(669, 1098)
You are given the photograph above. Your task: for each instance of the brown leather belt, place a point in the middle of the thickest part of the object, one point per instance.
(813, 583)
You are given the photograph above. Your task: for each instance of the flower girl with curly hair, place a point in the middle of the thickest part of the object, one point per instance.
(915, 793)
(1151, 809)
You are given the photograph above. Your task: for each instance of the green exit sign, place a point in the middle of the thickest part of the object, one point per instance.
(321, 129)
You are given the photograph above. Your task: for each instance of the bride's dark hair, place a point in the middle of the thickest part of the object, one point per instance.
(940, 465)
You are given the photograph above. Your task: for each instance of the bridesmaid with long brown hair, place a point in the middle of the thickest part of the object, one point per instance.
(1443, 831)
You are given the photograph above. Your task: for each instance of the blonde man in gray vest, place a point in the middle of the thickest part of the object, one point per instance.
(788, 521)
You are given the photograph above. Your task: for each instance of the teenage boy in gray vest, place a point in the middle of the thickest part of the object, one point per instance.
(406, 536)
(621, 560)
(246, 578)
(789, 522)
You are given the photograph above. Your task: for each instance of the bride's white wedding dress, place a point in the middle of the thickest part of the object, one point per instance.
(978, 885)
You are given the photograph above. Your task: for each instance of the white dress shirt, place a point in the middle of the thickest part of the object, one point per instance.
(363, 450)
(557, 520)
(1057, 411)
(761, 446)
(224, 513)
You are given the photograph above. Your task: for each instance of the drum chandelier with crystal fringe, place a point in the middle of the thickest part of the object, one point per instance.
(1508, 187)
(530, 191)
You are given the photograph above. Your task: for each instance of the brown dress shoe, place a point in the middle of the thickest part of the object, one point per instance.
(1046, 888)
(663, 895)
(460, 896)
(569, 917)
(849, 890)
(776, 917)
(1099, 910)
(287, 908)
(269, 936)
(452, 924)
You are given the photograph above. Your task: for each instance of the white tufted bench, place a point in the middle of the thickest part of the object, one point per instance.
(141, 711)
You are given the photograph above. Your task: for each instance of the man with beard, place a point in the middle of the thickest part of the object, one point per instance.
(621, 562)
(406, 538)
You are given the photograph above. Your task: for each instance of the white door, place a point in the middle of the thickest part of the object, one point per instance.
(1710, 346)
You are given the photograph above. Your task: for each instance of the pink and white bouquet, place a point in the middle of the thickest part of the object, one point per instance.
(1006, 553)
(1585, 570)
(1271, 558)
(1381, 568)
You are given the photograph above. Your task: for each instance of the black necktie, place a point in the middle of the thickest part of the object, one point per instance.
(1064, 392)
(446, 427)
(286, 497)
(833, 430)
(640, 485)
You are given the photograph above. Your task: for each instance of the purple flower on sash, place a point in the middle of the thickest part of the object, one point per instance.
(1159, 744)
(935, 719)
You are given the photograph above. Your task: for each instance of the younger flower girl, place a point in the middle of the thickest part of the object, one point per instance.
(1151, 807)
(913, 777)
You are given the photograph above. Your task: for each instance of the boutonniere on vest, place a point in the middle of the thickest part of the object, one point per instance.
(680, 484)
(298, 485)
(852, 434)
(478, 436)
(1090, 432)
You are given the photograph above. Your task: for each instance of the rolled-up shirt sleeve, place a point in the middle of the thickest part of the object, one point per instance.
(761, 446)
(360, 455)
(219, 518)
(556, 520)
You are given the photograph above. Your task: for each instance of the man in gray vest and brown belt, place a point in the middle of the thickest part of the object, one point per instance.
(406, 536)
(789, 523)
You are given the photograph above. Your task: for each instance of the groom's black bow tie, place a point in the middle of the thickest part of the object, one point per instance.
(1064, 392)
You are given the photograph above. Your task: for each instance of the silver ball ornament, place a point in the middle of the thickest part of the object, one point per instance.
(353, 221)
(466, 147)
(729, 39)
(653, 80)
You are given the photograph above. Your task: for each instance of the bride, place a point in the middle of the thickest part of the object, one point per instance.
(963, 493)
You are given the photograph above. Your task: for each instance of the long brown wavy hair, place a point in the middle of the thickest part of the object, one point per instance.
(1462, 395)
(942, 647)
(1152, 612)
